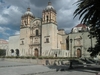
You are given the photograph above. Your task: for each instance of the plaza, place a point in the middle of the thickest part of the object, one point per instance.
(18, 68)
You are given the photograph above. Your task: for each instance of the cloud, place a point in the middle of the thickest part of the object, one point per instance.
(17, 33)
(3, 31)
(3, 20)
(10, 15)
(65, 15)
(12, 10)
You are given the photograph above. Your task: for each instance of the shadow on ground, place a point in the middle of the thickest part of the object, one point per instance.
(89, 69)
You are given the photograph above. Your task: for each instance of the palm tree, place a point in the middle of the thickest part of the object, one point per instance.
(89, 12)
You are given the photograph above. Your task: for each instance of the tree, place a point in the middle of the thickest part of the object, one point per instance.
(89, 12)
(2, 52)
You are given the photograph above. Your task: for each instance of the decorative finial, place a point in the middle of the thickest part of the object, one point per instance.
(49, 3)
(28, 9)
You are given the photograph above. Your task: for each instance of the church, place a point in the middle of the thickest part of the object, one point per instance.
(41, 37)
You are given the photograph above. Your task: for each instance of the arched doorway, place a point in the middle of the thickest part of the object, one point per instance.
(17, 52)
(55, 55)
(12, 52)
(78, 52)
(36, 52)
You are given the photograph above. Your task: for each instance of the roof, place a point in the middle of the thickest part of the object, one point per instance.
(81, 25)
(2, 41)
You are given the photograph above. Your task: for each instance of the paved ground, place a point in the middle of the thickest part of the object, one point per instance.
(15, 68)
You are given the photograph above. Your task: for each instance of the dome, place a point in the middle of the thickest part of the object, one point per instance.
(79, 28)
(81, 25)
(49, 6)
(28, 12)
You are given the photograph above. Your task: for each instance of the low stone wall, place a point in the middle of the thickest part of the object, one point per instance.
(33, 61)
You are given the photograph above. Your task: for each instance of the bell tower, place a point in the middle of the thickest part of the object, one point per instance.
(26, 18)
(49, 14)
(49, 29)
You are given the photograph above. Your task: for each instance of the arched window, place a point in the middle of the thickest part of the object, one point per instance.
(37, 32)
(67, 44)
(47, 18)
(12, 51)
(24, 22)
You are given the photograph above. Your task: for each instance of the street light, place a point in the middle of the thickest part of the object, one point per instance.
(71, 47)
(90, 37)
(70, 66)
(41, 37)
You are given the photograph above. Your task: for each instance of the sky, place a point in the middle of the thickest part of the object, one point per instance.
(12, 10)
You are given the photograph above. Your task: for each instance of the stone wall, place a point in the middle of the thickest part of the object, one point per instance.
(34, 61)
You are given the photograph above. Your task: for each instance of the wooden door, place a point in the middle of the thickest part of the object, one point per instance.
(78, 53)
(36, 53)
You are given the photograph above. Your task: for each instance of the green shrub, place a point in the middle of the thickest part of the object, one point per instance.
(48, 57)
(22, 57)
(40, 57)
(9, 57)
(33, 57)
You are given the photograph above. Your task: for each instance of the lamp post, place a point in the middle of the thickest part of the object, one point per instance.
(71, 47)
(85, 52)
(41, 38)
(70, 66)
(83, 46)
(91, 42)
(90, 37)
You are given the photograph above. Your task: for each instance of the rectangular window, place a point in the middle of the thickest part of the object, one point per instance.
(46, 40)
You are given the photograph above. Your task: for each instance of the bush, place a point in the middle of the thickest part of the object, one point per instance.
(9, 57)
(40, 57)
(48, 57)
(33, 57)
(22, 57)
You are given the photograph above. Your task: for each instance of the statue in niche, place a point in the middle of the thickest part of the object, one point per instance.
(78, 41)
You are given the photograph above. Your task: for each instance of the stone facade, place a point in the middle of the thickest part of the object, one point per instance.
(80, 41)
(79, 44)
(41, 37)
(14, 46)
